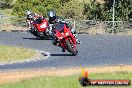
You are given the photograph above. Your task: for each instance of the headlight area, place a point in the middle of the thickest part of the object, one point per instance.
(67, 34)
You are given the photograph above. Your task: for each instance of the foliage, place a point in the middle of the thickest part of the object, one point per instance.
(76, 9)
(72, 9)
(37, 6)
(62, 2)
(64, 8)
(4, 4)
(94, 10)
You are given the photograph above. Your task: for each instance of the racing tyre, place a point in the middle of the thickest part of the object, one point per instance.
(72, 50)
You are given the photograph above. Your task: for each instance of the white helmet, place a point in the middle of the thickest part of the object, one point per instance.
(28, 12)
(52, 14)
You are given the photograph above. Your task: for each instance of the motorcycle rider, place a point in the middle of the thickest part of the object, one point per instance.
(54, 19)
(29, 18)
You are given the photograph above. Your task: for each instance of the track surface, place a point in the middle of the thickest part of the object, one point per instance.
(95, 50)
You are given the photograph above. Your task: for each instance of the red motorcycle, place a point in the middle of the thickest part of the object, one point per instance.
(65, 38)
(40, 28)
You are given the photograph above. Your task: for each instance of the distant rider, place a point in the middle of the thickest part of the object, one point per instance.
(33, 18)
(29, 18)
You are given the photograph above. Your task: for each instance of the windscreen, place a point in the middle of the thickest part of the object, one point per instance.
(58, 26)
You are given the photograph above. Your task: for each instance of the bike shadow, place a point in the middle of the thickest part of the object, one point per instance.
(61, 55)
(35, 39)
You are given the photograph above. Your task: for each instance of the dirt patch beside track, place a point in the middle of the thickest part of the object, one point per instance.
(15, 76)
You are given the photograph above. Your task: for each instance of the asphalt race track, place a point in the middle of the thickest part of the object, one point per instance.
(95, 50)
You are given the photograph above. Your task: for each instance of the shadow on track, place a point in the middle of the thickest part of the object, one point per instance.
(35, 39)
(61, 55)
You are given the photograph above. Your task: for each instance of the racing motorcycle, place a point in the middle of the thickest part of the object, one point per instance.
(64, 38)
(40, 28)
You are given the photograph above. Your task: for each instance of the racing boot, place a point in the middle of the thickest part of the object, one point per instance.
(78, 41)
(55, 42)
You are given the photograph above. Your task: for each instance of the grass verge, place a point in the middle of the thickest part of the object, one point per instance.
(67, 81)
(10, 53)
(6, 12)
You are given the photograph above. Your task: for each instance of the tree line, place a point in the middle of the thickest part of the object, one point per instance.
(75, 9)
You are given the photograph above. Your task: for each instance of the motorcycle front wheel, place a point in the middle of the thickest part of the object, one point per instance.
(70, 48)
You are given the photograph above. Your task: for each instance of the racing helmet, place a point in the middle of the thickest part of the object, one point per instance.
(51, 14)
(28, 12)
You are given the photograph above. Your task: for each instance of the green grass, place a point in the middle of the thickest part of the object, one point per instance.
(6, 12)
(67, 82)
(10, 53)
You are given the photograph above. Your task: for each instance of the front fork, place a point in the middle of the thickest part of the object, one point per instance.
(64, 45)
